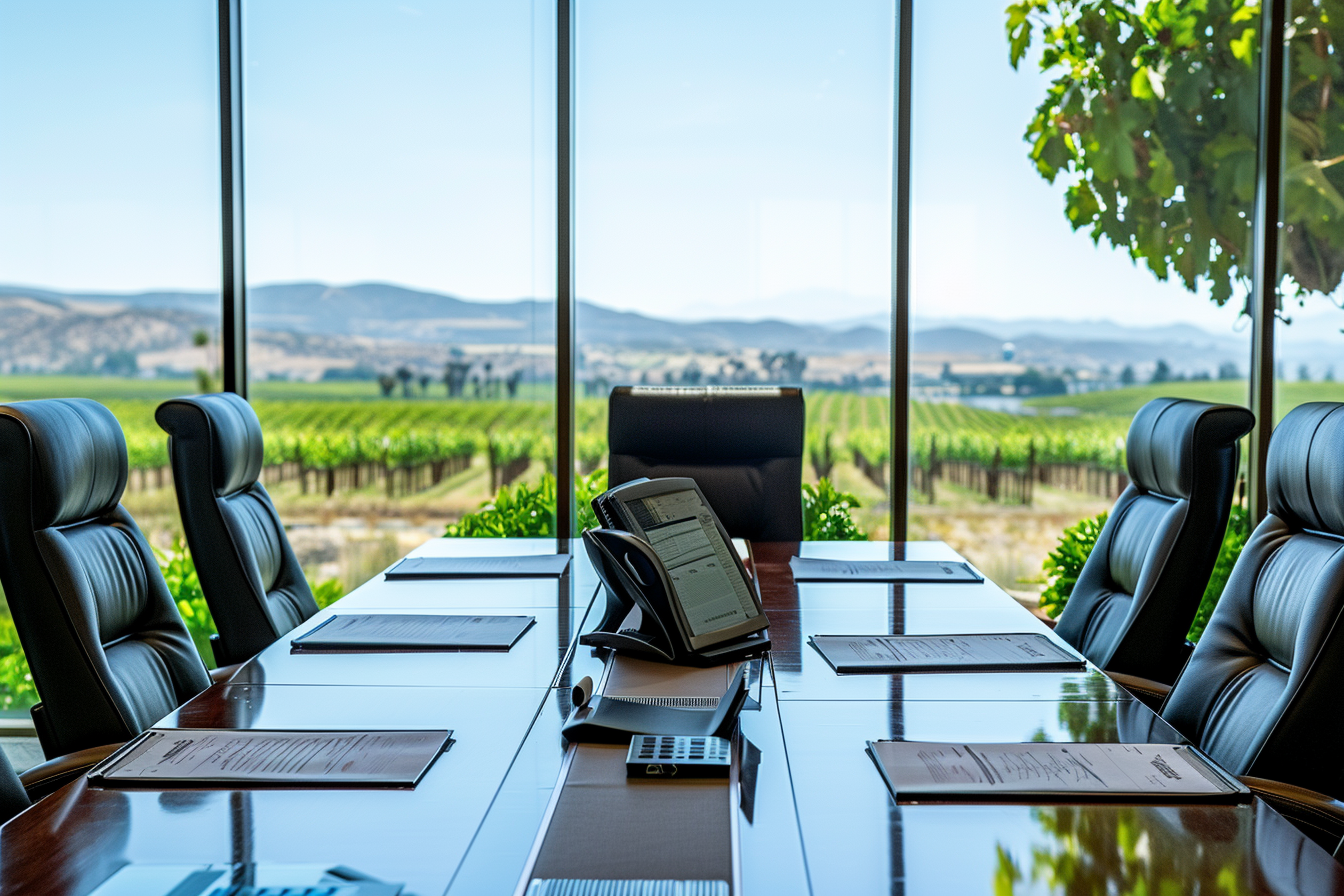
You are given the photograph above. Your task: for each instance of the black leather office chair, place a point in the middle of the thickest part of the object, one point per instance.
(252, 581)
(1138, 592)
(1260, 693)
(742, 446)
(108, 651)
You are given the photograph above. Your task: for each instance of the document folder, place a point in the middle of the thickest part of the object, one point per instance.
(241, 759)
(812, 569)
(396, 632)
(1010, 652)
(1052, 772)
(527, 566)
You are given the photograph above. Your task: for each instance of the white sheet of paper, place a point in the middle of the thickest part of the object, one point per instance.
(913, 653)
(410, 631)
(813, 569)
(914, 768)
(225, 756)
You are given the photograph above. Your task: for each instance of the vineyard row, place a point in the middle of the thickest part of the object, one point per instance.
(406, 446)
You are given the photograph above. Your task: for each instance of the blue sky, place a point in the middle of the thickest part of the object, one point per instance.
(733, 158)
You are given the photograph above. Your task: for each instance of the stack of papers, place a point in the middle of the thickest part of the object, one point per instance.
(387, 632)
(248, 758)
(1057, 772)
(1027, 652)
(809, 569)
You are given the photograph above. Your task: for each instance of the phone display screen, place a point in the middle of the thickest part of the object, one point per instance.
(683, 533)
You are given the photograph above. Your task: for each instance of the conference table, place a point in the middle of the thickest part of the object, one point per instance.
(805, 810)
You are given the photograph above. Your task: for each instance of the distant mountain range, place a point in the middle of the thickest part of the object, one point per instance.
(303, 329)
(383, 310)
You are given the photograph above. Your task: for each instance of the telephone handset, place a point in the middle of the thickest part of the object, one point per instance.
(676, 590)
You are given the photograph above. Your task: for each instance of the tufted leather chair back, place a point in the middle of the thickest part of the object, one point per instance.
(742, 446)
(1261, 693)
(1141, 585)
(252, 581)
(108, 651)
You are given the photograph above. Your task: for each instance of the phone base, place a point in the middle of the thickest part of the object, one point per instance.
(632, 643)
(630, 621)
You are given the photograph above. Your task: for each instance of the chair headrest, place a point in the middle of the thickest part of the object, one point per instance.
(706, 424)
(1305, 476)
(227, 423)
(1170, 438)
(78, 452)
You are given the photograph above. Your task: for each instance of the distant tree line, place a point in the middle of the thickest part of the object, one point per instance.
(460, 378)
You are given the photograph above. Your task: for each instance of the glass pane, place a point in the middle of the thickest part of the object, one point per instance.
(733, 214)
(400, 252)
(1309, 348)
(109, 226)
(1080, 236)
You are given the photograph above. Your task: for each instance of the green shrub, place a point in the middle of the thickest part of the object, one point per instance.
(1063, 565)
(327, 592)
(523, 510)
(528, 511)
(826, 514)
(518, 511)
(16, 682)
(179, 571)
(1238, 530)
(1065, 562)
(586, 488)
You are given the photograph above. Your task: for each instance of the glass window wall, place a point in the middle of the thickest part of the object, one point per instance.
(733, 216)
(1309, 347)
(400, 216)
(1081, 222)
(109, 227)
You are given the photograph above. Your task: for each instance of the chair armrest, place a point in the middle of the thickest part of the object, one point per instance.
(224, 673)
(1150, 693)
(52, 775)
(1318, 816)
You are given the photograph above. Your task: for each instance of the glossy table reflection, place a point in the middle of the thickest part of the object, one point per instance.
(815, 816)
(857, 839)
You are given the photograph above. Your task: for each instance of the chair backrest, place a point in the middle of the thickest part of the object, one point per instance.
(1261, 693)
(13, 798)
(1140, 587)
(108, 650)
(252, 581)
(742, 445)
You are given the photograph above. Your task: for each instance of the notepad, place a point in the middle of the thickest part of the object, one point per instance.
(1026, 652)
(526, 566)
(1052, 772)
(258, 758)
(374, 632)
(812, 569)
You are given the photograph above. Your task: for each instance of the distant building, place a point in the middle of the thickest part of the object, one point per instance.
(983, 377)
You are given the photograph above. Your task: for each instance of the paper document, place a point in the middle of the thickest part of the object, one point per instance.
(812, 569)
(1085, 772)
(242, 758)
(945, 653)
(528, 566)
(408, 631)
